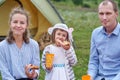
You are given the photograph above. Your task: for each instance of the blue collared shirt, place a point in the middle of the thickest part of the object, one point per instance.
(105, 54)
(13, 59)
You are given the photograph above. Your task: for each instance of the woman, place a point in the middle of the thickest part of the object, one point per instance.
(18, 52)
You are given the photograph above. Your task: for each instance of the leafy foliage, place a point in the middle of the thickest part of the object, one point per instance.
(78, 2)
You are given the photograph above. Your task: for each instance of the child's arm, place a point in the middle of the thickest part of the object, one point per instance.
(71, 56)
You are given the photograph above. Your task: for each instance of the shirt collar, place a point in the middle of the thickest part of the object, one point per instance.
(115, 31)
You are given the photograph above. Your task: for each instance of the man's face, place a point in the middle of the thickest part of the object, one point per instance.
(107, 15)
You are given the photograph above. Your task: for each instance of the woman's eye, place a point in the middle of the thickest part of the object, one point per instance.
(15, 22)
(22, 23)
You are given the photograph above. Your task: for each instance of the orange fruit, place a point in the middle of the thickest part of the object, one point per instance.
(86, 77)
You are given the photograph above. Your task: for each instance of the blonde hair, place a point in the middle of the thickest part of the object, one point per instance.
(26, 34)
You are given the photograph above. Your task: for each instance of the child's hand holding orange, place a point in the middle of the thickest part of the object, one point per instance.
(49, 61)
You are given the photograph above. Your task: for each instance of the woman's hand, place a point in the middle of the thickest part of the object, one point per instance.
(30, 72)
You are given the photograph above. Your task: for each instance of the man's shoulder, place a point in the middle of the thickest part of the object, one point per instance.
(98, 29)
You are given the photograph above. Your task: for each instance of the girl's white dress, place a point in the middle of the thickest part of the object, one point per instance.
(60, 62)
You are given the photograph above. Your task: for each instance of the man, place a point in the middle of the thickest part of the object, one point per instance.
(104, 63)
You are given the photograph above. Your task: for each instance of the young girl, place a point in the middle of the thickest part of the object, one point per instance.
(64, 55)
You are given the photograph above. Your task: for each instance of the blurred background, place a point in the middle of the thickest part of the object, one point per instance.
(78, 14)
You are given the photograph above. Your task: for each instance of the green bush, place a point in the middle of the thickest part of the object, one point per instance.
(86, 5)
(78, 2)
